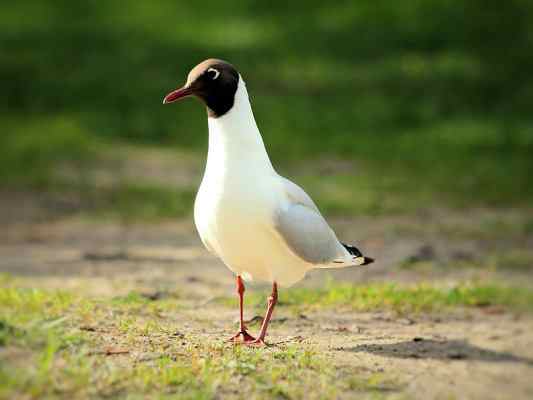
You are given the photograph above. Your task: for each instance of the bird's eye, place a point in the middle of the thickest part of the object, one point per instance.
(213, 73)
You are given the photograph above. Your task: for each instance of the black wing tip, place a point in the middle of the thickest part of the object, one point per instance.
(354, 251)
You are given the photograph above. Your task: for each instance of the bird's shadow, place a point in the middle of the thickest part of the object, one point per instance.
(437, 349)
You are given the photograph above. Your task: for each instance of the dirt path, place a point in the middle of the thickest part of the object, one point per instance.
(477, 244)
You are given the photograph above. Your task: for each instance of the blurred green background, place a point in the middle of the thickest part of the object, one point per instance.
(401, 106)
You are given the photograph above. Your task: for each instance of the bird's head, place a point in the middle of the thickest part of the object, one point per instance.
(214, 82)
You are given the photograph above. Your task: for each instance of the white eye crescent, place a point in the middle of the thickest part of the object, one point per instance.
(215, 71)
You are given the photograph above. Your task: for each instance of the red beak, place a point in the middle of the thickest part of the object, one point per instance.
(177, 94)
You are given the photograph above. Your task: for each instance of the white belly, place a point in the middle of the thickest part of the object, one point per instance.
(235, 221)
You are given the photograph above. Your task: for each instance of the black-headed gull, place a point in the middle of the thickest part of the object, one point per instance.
(262, 226)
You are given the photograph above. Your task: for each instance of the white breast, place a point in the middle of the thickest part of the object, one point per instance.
(238, 197)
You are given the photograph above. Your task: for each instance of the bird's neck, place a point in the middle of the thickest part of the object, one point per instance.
(235, 140)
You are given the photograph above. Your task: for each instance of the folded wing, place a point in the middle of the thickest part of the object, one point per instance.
(306, 232)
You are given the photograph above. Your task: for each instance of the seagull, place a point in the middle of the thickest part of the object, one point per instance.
(261, 225)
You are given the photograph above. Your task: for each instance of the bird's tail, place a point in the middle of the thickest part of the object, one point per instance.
(356, 259)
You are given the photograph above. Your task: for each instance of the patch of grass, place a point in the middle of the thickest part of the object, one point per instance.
(430, 113)
(37, 328)
(62, 345)
(57, 158)
(375, 383)
(32, 302)
(142, 202)
(402, 299)
(32, 148)
(398, 178)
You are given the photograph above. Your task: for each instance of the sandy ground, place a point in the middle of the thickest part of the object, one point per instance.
(469, 354)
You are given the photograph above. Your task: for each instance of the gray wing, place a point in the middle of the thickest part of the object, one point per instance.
(297, 195)
(305, 231)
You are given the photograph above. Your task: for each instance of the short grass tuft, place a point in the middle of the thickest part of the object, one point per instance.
(402, 299)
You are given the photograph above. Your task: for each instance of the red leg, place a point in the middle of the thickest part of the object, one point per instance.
(272, 300)
(242, 336)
